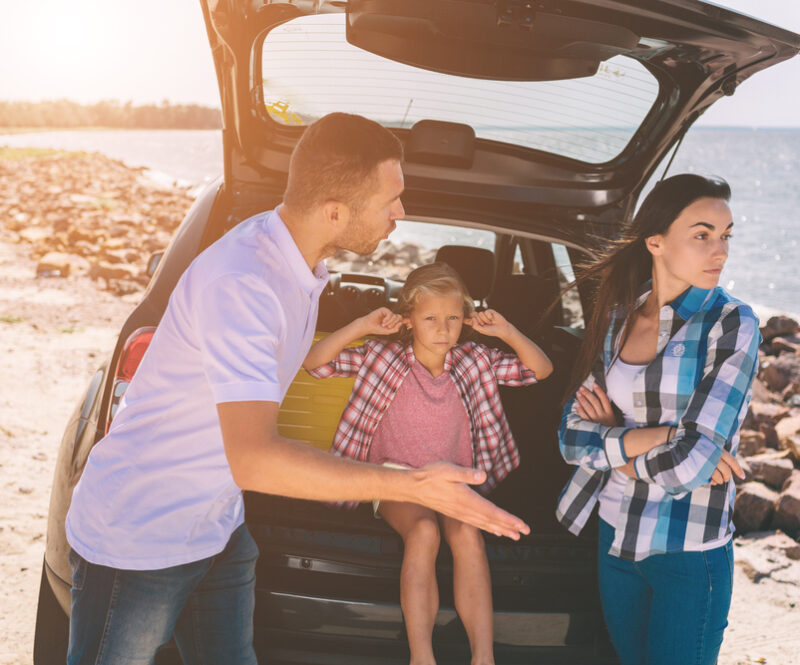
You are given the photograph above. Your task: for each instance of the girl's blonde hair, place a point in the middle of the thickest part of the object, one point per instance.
(437, 279)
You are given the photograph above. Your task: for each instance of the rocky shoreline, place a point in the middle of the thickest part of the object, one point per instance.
(86, 214)
(769, 449)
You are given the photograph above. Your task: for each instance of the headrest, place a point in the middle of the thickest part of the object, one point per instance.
(474, 265)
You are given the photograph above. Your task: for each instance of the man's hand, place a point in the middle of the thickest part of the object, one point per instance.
(594, 406)
(443, 487)
(381, 321)
(262, 460)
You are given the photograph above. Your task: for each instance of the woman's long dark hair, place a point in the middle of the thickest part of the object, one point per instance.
(619, 272)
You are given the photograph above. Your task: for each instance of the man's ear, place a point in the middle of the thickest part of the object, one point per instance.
(337, 215)
(655, 244)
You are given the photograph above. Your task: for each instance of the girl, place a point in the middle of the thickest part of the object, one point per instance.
(668, 361)
(429, 399)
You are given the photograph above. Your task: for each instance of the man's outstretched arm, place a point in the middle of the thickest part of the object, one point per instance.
(263, 461)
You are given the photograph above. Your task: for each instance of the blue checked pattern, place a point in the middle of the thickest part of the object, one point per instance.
(701, 382)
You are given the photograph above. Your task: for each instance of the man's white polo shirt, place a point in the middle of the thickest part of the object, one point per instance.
(157, 491)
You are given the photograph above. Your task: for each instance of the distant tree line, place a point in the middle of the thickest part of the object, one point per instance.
(109, 113)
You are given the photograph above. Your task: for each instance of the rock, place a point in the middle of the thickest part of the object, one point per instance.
(60, 264)
(779, 325)
(790, 344)
(779, 372)
(770, 436)
(764, 412)
(787, 427)
(792, 390)
(778, 541)
(771, 470)
(124, 287)
(787, 508)
(33, 235)
(751, 442)
(755, 504)
(792, 445)
(54, 264)
(107, 271)
(763, 394)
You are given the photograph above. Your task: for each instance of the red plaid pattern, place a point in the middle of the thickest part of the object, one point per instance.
(380, 367)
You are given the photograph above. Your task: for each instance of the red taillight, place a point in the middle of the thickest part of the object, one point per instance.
(129, 359)
(132, 352)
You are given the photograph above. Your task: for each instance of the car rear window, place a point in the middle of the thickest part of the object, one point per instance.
(410, 245)
(309, 69)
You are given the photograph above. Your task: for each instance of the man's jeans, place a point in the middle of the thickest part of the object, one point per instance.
(126, 616)
(667, 609)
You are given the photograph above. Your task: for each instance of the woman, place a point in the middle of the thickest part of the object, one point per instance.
(665, 373)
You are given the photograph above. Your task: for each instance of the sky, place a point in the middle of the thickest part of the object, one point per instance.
(150, 50)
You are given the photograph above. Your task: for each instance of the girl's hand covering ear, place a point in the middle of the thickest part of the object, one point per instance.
(489, 322)
(381, 321)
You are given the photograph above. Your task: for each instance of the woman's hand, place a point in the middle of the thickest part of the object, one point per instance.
(726, 467)
(594, 406)
(381, 321)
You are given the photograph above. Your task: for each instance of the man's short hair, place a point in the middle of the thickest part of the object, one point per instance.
(336, 159)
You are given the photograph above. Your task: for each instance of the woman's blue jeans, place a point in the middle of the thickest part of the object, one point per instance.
(668, 609)
(126, 616)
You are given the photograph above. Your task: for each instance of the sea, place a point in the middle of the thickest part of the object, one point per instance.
(762, 166)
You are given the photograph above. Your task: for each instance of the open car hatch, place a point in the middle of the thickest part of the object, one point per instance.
(556, 110)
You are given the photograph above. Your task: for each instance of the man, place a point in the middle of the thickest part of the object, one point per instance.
(156, 525)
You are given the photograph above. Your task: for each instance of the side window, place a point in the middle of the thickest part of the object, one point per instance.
(570, 301)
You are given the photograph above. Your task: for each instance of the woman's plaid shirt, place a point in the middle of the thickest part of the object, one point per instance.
(380, 367)
(701, 381)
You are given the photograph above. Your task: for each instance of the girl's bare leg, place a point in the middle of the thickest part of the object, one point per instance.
(472, 587)
(419, 593)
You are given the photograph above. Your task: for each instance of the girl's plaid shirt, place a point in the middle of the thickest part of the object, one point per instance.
(380, 367)
(701, 381)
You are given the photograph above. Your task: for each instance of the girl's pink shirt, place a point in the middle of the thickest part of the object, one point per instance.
(426, 422)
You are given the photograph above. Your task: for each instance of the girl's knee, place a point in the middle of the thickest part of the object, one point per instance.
(423, 534)
(461, 536)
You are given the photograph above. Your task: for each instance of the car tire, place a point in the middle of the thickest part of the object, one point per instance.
(52, 627)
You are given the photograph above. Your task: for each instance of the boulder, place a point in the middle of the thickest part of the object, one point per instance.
(764, 412)
(755, 504)
(787, 427)
(771, 470)
(54, 264)
(779, 372)
(787, 508)
(107, 271)
(770, 436)
(751, 442)
(60, 264)
(792, 445)
(763, 394)
(792, 390)
(789, 344)
(779, 325)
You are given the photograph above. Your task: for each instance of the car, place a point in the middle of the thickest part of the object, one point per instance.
(530, 129)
